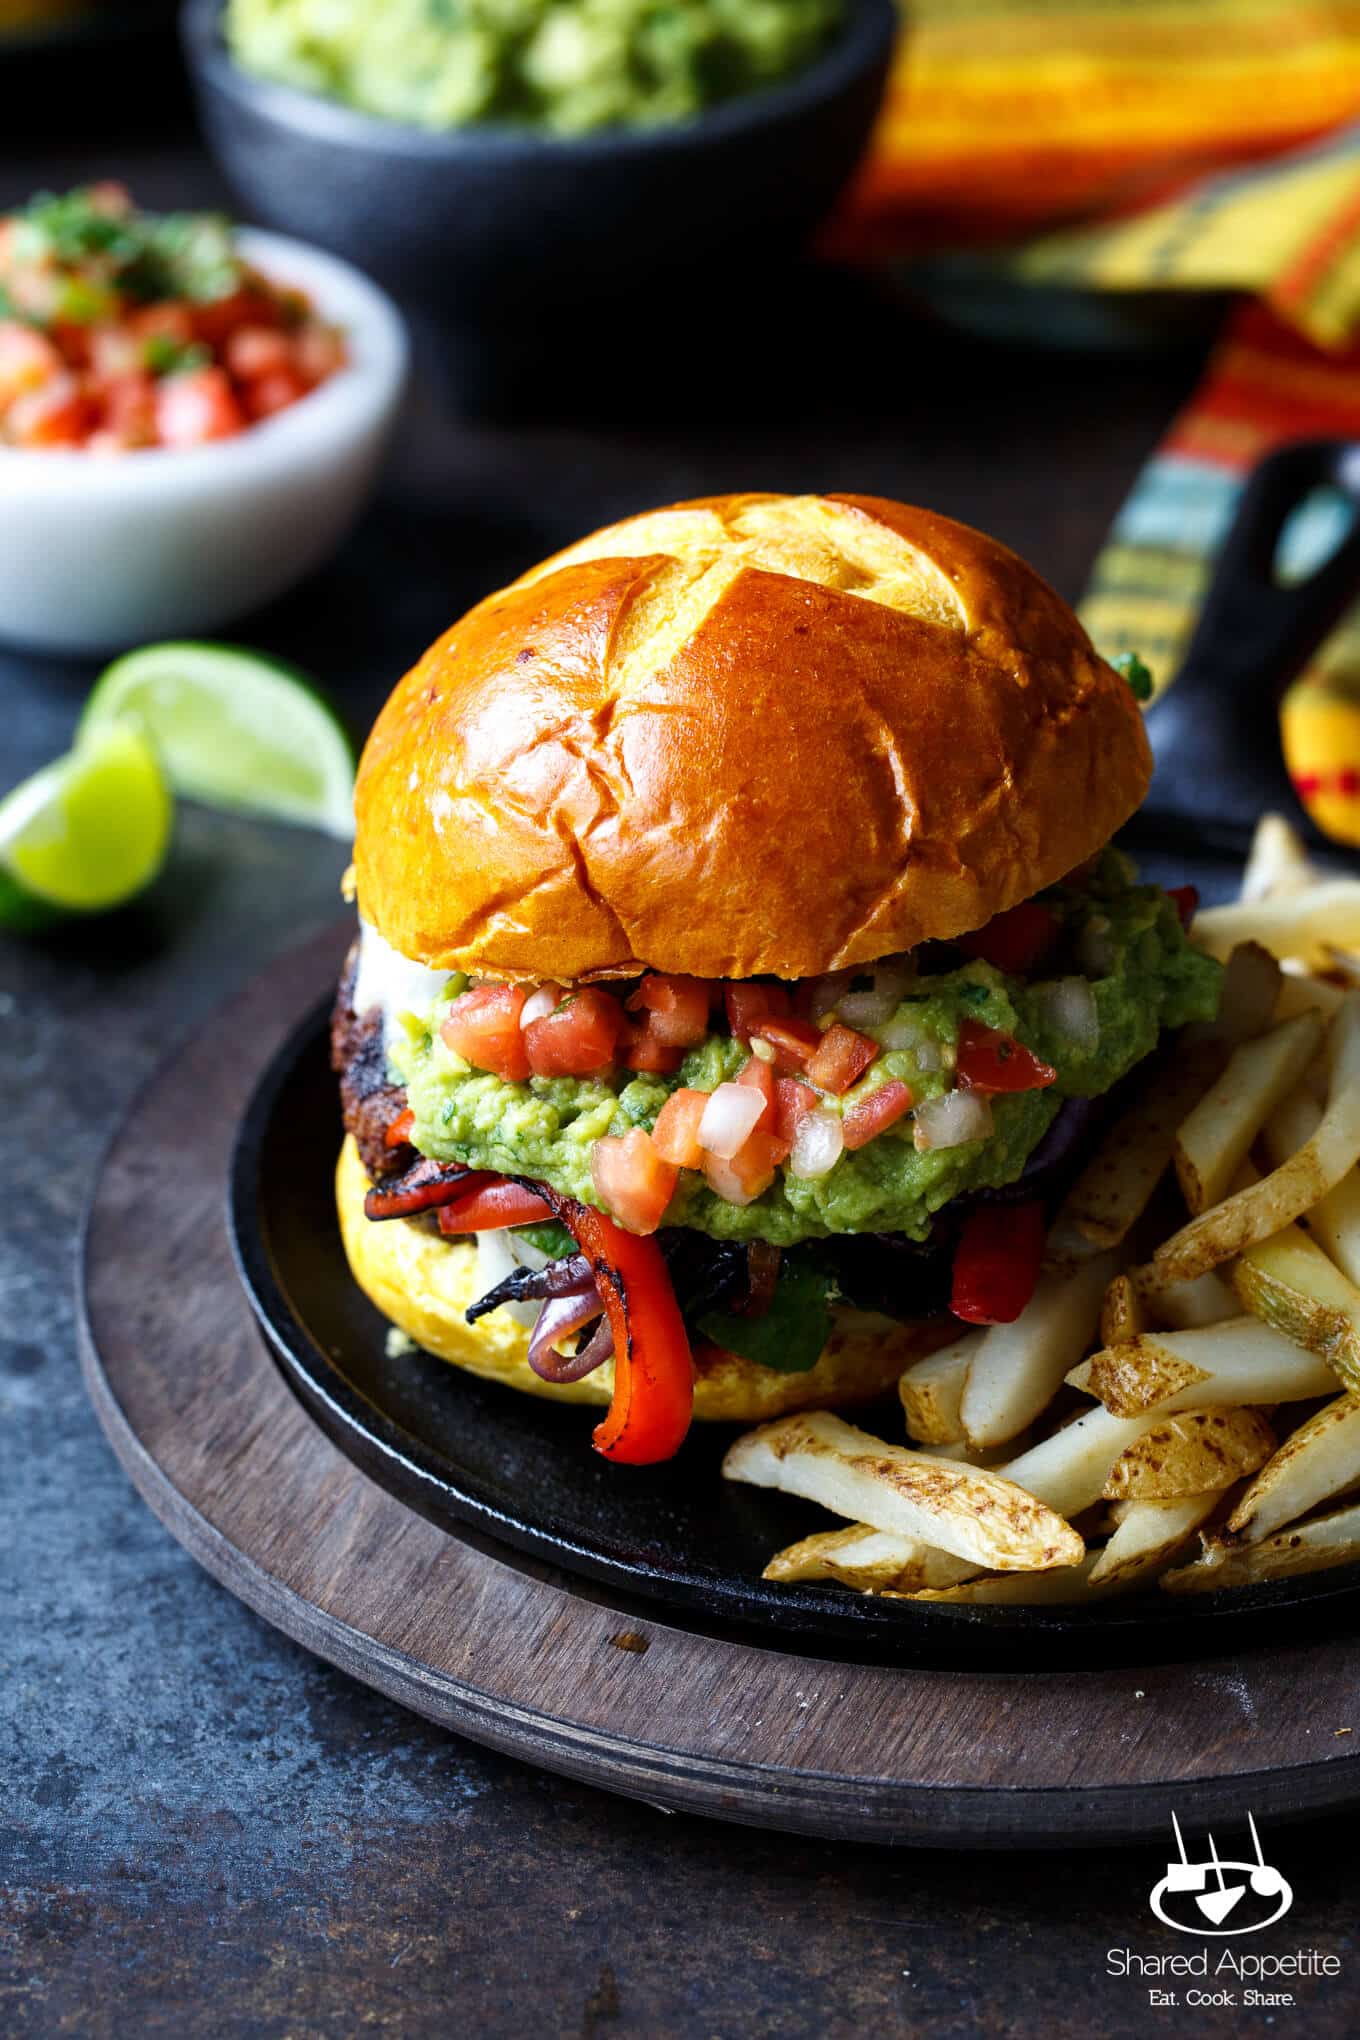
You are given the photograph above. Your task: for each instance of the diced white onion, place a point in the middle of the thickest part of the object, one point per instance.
(537, 1006)
(1071, 1011)
(929, 1055)
(817, 1145)
(891, 979)
(720, 1176)
(729, 1116)
(952, 1120)
(827, 992)
(1095, 950)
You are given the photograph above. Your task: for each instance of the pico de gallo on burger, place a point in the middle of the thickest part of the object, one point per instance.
(122, 330)
(684, 1172)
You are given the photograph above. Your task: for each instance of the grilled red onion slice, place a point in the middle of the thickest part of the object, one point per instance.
(558, 1319)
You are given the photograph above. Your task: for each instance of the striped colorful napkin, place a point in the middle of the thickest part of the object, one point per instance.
(1147, 145)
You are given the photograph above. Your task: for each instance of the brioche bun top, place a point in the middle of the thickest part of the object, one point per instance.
(753, 734)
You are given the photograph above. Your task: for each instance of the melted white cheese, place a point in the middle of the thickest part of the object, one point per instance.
(387, 979)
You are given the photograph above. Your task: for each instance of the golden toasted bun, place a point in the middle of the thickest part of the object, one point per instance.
(424, 1284)
(756, 734)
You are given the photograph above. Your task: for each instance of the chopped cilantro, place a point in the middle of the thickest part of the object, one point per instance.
(792, 1333)
(164, 356)
(549, 1238)
(1136, 673)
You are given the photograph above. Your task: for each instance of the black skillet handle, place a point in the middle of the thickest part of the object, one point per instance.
(1215, 732)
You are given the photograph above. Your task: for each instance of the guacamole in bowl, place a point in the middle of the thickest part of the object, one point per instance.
(566, 67)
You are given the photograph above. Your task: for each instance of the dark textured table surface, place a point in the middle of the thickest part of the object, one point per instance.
(203, 1830)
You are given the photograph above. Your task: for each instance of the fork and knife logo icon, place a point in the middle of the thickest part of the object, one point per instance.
(1208, 1897)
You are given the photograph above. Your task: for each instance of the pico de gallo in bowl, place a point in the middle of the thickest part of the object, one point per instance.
(123, 330)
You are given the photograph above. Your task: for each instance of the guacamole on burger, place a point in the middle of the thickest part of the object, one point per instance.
(742, 960)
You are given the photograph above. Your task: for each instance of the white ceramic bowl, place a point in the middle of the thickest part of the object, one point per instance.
(100, 552)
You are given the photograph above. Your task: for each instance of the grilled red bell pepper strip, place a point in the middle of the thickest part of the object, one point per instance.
(1016, 940)
(653, 1400)
(996, 1263)
(422, 1187)
(401, 1129)
(491, 1205)
(1185, 899)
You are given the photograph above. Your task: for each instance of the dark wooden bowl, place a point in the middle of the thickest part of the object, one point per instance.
(489, 227)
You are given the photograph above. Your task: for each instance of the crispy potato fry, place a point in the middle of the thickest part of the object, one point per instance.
(1300, 924)
(1319, 1460)
(1288, 1281)
(1253, 1214)
(1277, 863)
(1247, 1000)
(1207, 1300)
(1114, 1188)
(1301, 992)
(1069, 1469)
(1026, 1590)
(1148, 1535)
(1335, 1218)
(1237, 1363)
(1122, 1316)
(977, 1455)
(868, 1559)
(1303, 1548)
(975, 1514)
(1212, 1143)
(1016, 1370)
(1192, 1451)
(932, 1390)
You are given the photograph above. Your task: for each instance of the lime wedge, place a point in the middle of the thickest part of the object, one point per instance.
(85, 833)
(234, 729)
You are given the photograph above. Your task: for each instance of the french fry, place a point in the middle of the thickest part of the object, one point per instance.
(977, 1455)
(1026, 1590)
(1114, 1188)
(1304, 1548)
(1335, 1218)
(1277, 863)
(1288, 1281)
(1319, 1460)
(1122, 1316)
(1213, 1141)
(1148, 1536)
(1069, 1469)
(1301, 992)
(976, 1514)
(1016, 1370)
(1301, 924)
(870, 1560)
(1253, 1214)
(1207, 1300)
(1247, 998)
(1239, 1363)
(1187, 1453)
(932, 1390)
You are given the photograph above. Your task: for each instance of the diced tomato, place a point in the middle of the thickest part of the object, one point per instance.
(747, 1002)
(868, 1116)
(841, 1059)
(652, 1056)
(318, 351)
(1185, 899)
(173, 322)
(793, 1102)
(989, 1060)
(492, 1208)
(130, 410)
(996, 1263)
(254, 351)
(272, 393)
(677, 1008)
(1016, 940)
(401, 1129)
(57, 414)
(196, 407)
(579, 1038)
(483, 1027)
(27, 360)
(633, 1179)
(760, 1077)
(751, 1169)
(794, 1042)
(214, 320)
(676, 1133)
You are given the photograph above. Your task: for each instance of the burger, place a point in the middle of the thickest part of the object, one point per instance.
(742, 960)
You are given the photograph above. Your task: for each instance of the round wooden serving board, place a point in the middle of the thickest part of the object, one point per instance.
(574, 1676)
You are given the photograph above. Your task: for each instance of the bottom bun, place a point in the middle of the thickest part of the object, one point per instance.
(424, 1283)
